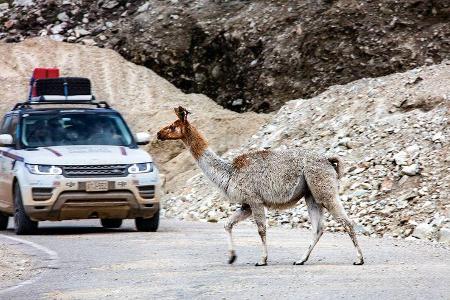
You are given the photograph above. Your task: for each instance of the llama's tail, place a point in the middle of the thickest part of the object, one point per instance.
(338, 164)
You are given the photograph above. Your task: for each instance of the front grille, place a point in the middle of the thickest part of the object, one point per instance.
(41, 194)
(147, 191)
(95, 171)
(100, 199)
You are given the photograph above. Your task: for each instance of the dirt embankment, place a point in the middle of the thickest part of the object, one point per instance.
(248, 54)
(145, 99)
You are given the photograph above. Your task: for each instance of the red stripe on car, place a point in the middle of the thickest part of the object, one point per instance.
(12, 156)
(53, 151)
(123, 151)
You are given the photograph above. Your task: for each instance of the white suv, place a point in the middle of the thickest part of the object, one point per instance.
(60, 162)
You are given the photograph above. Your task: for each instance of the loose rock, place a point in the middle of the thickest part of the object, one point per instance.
(411, 170)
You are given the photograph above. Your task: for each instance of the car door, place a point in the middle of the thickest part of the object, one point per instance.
(7, 161)
(3, 129)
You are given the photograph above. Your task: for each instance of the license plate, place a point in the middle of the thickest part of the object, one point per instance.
(96, 186)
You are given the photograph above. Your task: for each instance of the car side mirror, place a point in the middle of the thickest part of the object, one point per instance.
(6, 140)
(142, 138)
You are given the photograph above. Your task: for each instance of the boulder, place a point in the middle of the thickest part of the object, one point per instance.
(423, 231)
(444, 235)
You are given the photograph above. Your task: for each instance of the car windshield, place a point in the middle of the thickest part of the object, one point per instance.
(72, 128)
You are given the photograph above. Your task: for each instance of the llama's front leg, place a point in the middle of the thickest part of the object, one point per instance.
(239, 215)
(259, 215)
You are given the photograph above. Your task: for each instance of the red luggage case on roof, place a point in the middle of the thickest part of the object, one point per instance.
(42, 73)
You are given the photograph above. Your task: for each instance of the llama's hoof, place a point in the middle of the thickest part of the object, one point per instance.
(359, 262)
(298, 263)
(260, 264)
(232, 258)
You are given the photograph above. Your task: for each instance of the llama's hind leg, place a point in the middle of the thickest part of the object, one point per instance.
(239, 215)
(315, 212)
(259, 215)
(337, 211)
(323, 184)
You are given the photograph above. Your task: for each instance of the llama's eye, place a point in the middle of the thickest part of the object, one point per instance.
(172, 128)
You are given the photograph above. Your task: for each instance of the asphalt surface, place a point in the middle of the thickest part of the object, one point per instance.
(187, 260)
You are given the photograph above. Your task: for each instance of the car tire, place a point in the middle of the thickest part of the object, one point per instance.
(22, 223)
(148, 224)
(111, 223)
(3, 221)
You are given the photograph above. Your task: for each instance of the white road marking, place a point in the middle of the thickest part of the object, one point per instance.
(54, 259)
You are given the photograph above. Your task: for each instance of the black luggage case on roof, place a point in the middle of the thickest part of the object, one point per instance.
(63, 86)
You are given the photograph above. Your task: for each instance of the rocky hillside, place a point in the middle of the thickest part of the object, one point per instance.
(247, 54)
(393, 132)
(145, 99)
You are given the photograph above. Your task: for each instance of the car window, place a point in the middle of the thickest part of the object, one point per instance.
(5, 124)
(72, 128)
(13, 127)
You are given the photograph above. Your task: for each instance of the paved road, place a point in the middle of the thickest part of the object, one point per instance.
(188, 260)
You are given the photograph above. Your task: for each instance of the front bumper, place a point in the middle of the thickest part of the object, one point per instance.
(58, 198)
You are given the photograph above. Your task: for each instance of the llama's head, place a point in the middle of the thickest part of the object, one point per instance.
(176, 130)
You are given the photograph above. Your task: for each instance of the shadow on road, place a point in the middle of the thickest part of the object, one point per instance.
(80, 228)
(75, 230)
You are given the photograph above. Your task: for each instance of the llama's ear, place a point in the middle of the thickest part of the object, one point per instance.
(181, 113)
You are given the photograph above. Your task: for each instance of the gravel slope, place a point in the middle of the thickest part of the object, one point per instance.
(392, 132)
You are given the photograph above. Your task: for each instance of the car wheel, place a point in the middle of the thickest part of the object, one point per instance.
(3, 221)
(23, 224)
(150, 224)
(111, 223)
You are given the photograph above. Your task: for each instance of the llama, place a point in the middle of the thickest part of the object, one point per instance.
(268, 179)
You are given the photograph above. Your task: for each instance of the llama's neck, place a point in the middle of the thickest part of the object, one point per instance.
(214, 167)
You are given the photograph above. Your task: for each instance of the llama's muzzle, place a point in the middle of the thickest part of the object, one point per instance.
(159, 136)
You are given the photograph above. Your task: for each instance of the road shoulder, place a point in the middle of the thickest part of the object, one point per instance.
(22, 262)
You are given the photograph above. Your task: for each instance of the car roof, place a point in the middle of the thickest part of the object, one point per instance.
(60, 106)
(56, 110)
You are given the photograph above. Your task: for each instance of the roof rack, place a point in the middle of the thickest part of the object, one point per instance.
(28, 104)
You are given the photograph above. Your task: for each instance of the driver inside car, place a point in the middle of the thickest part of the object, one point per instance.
(39, 135)
(103, 132)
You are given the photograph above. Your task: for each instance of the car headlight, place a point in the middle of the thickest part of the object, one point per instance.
(140, 168)
(44, 169)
